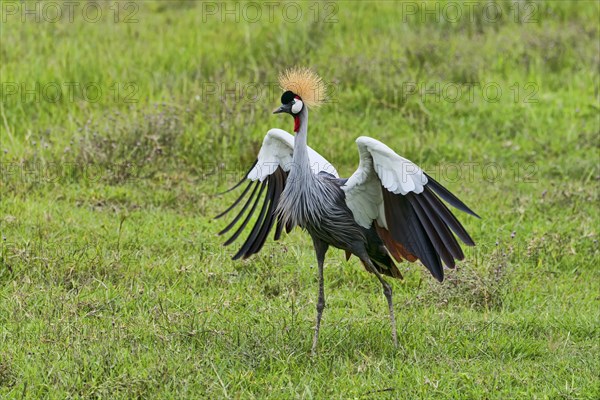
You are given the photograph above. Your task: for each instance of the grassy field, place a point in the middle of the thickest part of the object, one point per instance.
(121, 121)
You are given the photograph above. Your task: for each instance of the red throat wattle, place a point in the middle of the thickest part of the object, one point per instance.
(296, 123)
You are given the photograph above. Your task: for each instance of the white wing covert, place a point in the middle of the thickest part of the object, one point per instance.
(277, 151)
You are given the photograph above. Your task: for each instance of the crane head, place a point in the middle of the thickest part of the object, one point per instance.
(290, 103)
(302, 88)
(303, 84)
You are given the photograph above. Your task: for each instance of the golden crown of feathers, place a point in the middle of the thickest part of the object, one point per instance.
(306, 84)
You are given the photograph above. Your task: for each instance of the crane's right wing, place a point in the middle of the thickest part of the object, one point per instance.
(266, 180)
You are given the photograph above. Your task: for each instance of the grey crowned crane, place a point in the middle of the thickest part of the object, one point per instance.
(389, 209)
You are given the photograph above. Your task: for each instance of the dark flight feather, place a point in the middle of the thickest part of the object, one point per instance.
(447, 216)
(449, 197)
(235, 203)
(242, 211)
(274, 184)
(406, 228)
(441, 228)
(432, 231)
(257, 224)
(241, 181)
(249, 216)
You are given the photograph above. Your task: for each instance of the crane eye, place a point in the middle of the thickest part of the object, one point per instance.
(297, 106)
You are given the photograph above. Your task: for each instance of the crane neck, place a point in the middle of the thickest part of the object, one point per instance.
(301, 159)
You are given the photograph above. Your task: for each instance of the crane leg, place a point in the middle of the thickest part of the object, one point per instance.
(320, 249)
(387, 291)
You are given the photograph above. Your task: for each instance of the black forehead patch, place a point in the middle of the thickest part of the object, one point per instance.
(287, 97)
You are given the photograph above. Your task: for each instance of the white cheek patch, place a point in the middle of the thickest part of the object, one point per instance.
(297, 107)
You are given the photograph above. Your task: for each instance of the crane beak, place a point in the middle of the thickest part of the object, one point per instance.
(285, 108)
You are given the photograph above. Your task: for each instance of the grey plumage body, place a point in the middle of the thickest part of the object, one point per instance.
(317, 203)
(319, 207)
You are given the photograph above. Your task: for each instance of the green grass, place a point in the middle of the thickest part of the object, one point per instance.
(113, 282)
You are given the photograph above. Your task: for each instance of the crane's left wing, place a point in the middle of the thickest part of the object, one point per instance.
(401, 200)
(266, 180)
